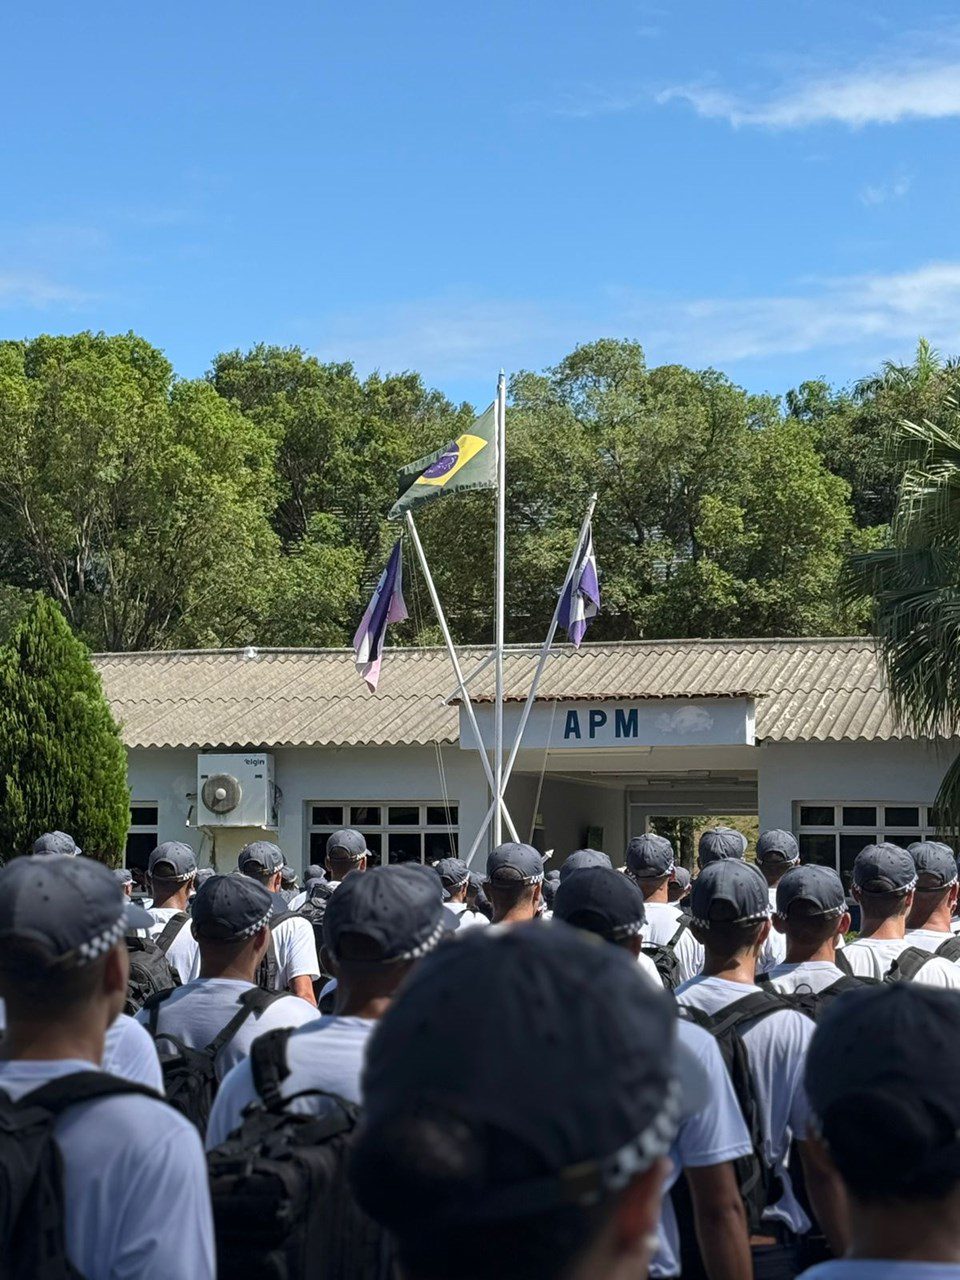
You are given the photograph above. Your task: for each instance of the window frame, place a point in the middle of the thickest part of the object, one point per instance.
(384, 828)
(871, 834)
(142, 828)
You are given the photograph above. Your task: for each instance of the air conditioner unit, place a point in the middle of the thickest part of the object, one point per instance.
(236, 790)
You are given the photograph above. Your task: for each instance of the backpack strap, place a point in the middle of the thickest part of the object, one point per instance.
(164, 939)
(252, 1004)
(268, 1064)
(81, 1086)
(152, 1005)
(759, 1004)
(949, 950)
(908, 964)
(843, 964)
(681, 930)
(279, 919)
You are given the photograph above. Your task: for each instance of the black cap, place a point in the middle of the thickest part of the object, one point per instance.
(882, 1081)
(504, 1065)
(720, 843)
(261, 855)
(777, 846)
(56, 842)
(172, 861)
(819, 887)
(601, 901)
(582, 859)
(935, 864)
(229, 908)
(681, 876)
(513, 864)
(73, 909)
(650, 856)
(398, 909)
(453, 872)
(729, 892)
(884, 868)
(346, 845)
(314, 872)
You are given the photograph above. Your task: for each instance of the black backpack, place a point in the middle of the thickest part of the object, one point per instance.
(32, 1237)
(282, 1207)
(759, 1184)
(664, 956)
(315, 908)
(269, 966)
(815, 1003)
(909, 962)
(150, 970)
(190, 1075)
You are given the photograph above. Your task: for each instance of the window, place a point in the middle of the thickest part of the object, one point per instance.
(142, 835)
(405, 831)
(833, 834)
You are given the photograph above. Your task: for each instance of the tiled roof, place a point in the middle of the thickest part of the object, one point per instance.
(809, 689)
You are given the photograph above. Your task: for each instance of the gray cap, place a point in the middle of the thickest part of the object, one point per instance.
(172, 860)
(601, 901)
(261, 854)
(230, 908)
(682, 877)
(202, 876)
(729, 892)
(314, 872)
(720, 843)
(777, 846)
(820, 887)
(452, 871)
(513, 864)
(70, 910)
(650, 856)
(56, 842)
(582, 859)
(884, 868)
(123, 874)
(346, 845)
(936, 866)
(399, 909)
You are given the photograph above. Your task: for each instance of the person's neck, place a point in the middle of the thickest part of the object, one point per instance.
(236, 971)
(890, 930)
(80, 1038)
(738, 968)
(825, 953)
(176, 901)
(938, 920)
(658, 895)
(351, 1003)
(514, 915)
(904, 1232)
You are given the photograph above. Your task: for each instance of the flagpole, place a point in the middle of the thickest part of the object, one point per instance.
(499, 604)
(541, 664)
(458, 672)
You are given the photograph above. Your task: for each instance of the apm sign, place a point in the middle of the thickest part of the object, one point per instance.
(654, 722)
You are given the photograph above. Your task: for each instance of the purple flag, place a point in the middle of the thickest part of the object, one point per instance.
(580, 601)
(386, 606)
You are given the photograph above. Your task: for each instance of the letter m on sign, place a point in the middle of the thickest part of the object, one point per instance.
(625, 723)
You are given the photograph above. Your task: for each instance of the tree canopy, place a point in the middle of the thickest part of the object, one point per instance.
(249, 507)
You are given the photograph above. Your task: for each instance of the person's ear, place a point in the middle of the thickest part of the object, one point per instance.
(328, 962)
(764, 933)
(779, 923)
(261, 942)
(537, 894)
(907, 903)
(326, 863)
(952, 897)
(844, 923)
(855, 890)
(362, 864)
(636, 1218)
(116, 972)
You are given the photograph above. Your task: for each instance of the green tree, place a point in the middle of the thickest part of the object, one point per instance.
(913, 584)
(139, 503)
(62, 764)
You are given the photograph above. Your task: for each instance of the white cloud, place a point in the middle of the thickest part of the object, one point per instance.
(27, 290)
(884, 192)
(882, 93)
(460, 338)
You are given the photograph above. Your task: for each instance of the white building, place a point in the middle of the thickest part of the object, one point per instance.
(799, 732)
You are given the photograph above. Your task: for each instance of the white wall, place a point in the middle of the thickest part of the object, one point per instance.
(897, 771)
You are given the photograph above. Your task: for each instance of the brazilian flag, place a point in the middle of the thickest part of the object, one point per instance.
(469, 462)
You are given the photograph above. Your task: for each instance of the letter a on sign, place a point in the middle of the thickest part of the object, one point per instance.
(572, 727)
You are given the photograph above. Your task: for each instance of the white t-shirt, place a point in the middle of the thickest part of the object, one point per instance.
(135, 1196)
(183, 953)
(198, 1012)
(810, 975)
(327, 1055)
(649, 970)
(129, 1052)
(296, 948)
(878, 1269)
(872, 958)
(709, 1137)
(777, 1048)
(929, 940)
(663, 920)
(468, 919)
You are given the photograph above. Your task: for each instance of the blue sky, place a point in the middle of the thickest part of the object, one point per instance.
(766, 186)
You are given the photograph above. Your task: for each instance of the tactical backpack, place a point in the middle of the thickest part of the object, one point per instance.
(32, 1235)
(190, 1075)
(664, 956)
(909, 962)
(282, 1206)
(150, 970)
(759, 1185)
(269, 967)
(815, 1003)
